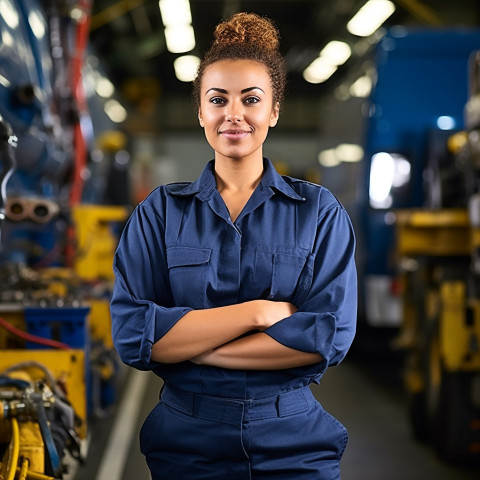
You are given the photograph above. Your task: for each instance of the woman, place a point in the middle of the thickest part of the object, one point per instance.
(238, 289)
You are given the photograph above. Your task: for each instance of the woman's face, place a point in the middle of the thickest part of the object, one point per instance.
(236, 108)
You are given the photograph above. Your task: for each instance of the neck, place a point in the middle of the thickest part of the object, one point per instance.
(238, 175)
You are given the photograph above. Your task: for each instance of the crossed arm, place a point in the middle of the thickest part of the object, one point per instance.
(214, 337)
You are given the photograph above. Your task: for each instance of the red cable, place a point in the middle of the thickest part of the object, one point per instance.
(81, 40)
(32, 338)
(80, 146)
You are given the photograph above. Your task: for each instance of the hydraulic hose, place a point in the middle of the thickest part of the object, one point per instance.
(14, 449)
(22, 474)
(32, 338)
(8, 141)
(31, 475)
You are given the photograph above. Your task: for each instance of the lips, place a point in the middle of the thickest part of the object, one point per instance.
(234, 135)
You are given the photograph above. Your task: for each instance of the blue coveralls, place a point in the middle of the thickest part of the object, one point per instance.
(179, 251)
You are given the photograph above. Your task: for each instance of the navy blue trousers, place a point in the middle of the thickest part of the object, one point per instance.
(287, 437)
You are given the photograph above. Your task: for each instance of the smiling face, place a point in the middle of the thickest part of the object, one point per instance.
(236, 108)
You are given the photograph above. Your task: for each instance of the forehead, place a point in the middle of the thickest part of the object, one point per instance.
(236, 74)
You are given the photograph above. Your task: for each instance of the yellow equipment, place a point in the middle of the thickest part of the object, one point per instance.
(438, 254)
(42, 410)
(96, 242)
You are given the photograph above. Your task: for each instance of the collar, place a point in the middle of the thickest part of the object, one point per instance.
(204, 186)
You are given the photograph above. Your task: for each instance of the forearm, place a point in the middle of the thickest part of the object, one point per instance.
(258, 351)
(201, 330)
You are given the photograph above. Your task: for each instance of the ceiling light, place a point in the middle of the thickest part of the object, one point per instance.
(361, 87)
(9, 14)
(104, 87)
(180, 38)
(186, 67)
(175, 12)
(4, 81)
(319, 71)
(369, 18)
(328, 158)
(336, 53)
(115, 111)
(36, 24)
(349, 152)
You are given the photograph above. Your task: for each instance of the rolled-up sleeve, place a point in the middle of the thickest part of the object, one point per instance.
(325, 322)
(141, 306)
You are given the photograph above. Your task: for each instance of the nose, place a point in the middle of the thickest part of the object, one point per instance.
(234, 112)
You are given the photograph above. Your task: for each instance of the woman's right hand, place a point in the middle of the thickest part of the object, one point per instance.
(269, 312)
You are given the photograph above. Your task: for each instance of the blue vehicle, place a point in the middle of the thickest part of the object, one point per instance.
(417, 101)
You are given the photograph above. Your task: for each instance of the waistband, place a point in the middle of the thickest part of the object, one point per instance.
(235, 411)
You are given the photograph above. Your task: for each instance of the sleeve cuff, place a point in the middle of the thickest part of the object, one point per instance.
(307, 332)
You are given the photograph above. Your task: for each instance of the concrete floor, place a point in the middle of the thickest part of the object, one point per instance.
(366, 398)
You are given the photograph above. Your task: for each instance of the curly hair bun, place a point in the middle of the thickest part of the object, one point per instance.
(247, 28)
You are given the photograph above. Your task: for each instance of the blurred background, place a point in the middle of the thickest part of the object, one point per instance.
(382, 108)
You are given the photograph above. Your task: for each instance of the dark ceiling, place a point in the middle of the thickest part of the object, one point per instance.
(127, 35)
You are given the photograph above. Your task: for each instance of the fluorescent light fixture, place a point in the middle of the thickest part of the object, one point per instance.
(361, 87)
(175, 12)
(349, 152)
(319, 71)
(9, 14)
(104, 87)
(336, 53)
(324, 66)
(115, 111)
(446, 122)
(6, 38)
(5, 82)
(37, 25)
(186, 67)
(370, 17)
(328, 158)
(180, 38)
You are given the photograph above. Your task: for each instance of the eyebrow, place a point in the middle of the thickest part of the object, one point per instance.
(222, 90)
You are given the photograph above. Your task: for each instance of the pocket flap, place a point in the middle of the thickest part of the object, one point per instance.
(179, 256)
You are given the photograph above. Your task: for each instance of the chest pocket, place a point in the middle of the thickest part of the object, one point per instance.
(187, 267)
(286, 270)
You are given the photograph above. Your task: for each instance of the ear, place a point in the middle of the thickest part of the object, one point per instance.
(200, 119)
(275, 114)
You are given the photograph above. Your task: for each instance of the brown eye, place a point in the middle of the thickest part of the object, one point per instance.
(217, 100)
(251, 100)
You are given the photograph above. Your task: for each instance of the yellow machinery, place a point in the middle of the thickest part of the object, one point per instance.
(441, 329)
(47, 395)
(95, 240)
(438, 254)
(42, 410)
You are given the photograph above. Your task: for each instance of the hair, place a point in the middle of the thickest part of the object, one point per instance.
(246, 36)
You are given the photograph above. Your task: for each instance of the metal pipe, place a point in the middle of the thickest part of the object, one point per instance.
(42, 210)
(16, 209)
